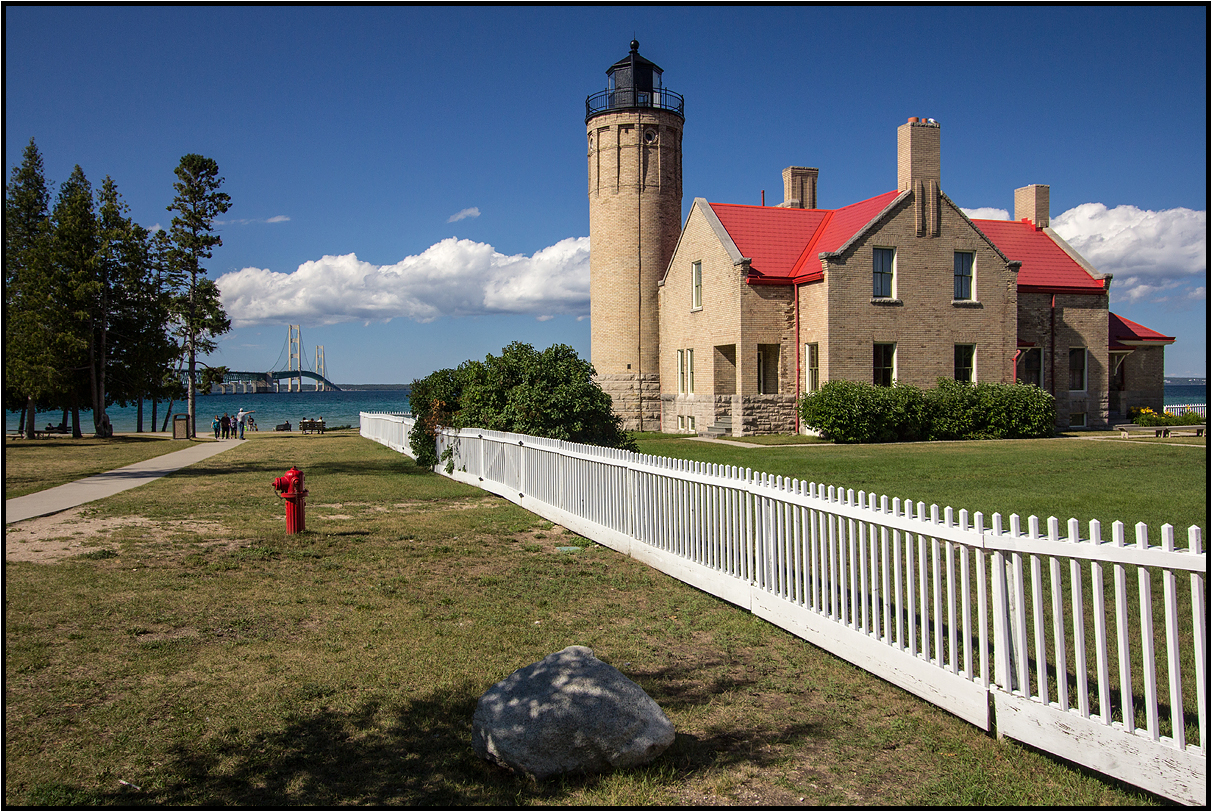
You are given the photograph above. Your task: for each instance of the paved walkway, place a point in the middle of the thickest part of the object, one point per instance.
(99, 486)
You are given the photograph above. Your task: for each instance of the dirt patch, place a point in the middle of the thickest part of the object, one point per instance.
(47, 539)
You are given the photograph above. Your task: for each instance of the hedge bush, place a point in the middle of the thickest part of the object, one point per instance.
(849, 412)
(1147, 417)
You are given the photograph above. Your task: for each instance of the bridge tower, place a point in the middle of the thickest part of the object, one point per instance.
(634, 134)
(294, 363)
(321, 370)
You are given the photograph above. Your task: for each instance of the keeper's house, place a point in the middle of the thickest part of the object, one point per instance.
(722, 324)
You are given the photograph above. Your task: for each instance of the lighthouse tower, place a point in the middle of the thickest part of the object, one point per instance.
(634, 134)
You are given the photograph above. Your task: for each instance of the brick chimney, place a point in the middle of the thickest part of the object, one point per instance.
(1031, 203)
(799, 187)
(917, 169)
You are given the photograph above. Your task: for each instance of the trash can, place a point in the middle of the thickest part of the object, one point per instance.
(181, 427)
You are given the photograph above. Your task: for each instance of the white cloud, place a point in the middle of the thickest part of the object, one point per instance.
(464, 214)
(451, 278)
(277, 218)
(1150, 253)
(986, 213)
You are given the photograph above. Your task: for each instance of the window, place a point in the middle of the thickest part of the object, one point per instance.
(1077, 420)
(965, 355)
(812, 354)
(690, 423)
(690, 371)
(1077, 369)
(681, 372)
(963, 274)
(696, 285)
(681, 422)
(685, 372)
(1030, 367)
(768, 369)
(883, 368)
(881, 273)
(761, 370)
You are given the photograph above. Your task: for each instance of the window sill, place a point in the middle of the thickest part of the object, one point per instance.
(966, 303)
(696, 309)
(885, 302)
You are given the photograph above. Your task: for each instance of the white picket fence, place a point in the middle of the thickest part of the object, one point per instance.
(987, 622)
(1200, 409)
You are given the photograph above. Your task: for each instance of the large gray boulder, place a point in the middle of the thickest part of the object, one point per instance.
(568, 713)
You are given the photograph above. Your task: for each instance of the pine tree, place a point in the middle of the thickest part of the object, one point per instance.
(75, 250)
(198, 201)
(29, 370)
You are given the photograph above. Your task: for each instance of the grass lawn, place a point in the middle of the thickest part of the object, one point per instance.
(196, 654)
(34, 465)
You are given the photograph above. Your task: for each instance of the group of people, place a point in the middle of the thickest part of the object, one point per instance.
(228, 426)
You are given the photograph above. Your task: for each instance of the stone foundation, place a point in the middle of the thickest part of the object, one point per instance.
(634, 398)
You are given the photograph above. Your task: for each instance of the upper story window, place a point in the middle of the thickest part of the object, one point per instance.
(883, 264)
(963, 274)
(1077, 369)
(696, 285)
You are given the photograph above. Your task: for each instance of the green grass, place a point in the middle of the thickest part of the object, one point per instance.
(221, 661)
(34, 465)
(1062, 477)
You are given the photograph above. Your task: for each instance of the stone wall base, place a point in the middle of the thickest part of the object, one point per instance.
(634, 398)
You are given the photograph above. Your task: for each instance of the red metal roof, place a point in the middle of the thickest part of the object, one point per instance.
(1046, 267)
(1121, 330)
(783, 244)
(772, 237)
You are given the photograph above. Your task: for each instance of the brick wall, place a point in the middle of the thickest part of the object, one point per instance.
(922, 319)
(1080, 321)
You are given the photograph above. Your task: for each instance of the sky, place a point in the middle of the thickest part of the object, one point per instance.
(409, 183)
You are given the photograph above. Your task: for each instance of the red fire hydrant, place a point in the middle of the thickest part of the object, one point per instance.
(291, 486)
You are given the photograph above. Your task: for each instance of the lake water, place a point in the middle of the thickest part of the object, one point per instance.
(337, 408)
(270, 409)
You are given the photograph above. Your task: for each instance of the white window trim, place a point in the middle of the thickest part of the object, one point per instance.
(895, 275)
(696, 285)
(681, 372)
(972, 284)
(974, 352)
(808, 368)
(690, 371)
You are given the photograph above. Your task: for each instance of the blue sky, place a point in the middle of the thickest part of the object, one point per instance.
(444, 147)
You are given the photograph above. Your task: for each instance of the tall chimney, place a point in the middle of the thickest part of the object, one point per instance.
(1031, 203)
(799, 187)
(917, 169)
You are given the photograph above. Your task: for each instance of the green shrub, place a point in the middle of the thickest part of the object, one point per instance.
(1147, 417)
(849, 412)
(544, 394)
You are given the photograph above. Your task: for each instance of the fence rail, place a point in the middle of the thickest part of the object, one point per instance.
(1200, 409)
(1033, 630)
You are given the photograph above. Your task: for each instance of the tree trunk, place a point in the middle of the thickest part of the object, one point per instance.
(155, 403)
(139, 418)
(168, 414)
(76, 433)
(27, 419)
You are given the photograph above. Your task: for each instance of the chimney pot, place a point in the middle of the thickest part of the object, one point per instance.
(913, 120)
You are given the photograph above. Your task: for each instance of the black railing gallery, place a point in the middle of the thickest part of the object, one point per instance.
(630, 97)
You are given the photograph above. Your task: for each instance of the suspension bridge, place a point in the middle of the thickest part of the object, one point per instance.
(292, 366)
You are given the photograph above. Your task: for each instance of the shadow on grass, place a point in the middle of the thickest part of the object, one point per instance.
(408, 753)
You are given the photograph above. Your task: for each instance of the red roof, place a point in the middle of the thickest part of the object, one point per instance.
(783, 243)
(772, 237)
(1122, 330)
(1046, 266)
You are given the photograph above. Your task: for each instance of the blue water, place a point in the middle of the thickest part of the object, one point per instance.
(1185, 393)
(337, 409)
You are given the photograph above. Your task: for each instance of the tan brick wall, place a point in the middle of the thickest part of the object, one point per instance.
(716, 323)
(922, 320)
(1080, 321)
(1031, 203)
(1144, 383)
(635, 206)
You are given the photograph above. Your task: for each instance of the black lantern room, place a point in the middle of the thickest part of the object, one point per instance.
(633, 82)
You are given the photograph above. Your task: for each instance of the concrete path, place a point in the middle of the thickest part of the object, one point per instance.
(99, 486)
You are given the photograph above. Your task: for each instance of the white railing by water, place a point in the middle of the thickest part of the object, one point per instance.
(1200, 409)
(1039, 624)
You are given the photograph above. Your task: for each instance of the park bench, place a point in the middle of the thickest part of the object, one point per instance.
(1126, 430)
(311, 426)
(283, 426)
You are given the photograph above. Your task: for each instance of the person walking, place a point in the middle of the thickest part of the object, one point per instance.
(226, 425)
(214, 424)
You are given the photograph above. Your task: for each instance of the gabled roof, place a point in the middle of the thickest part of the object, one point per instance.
(783, 244)
(1125, 334)
(1047, 267)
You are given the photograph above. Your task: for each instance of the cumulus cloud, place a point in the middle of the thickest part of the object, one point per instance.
(1152, 254)
(464, 214)
(451, 278)
(986, 213)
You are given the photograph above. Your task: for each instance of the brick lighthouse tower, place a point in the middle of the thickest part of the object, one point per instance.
(634, 134)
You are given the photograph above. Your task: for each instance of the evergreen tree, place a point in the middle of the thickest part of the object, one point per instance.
(198, 201)
(30, 373)
(76, 244)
